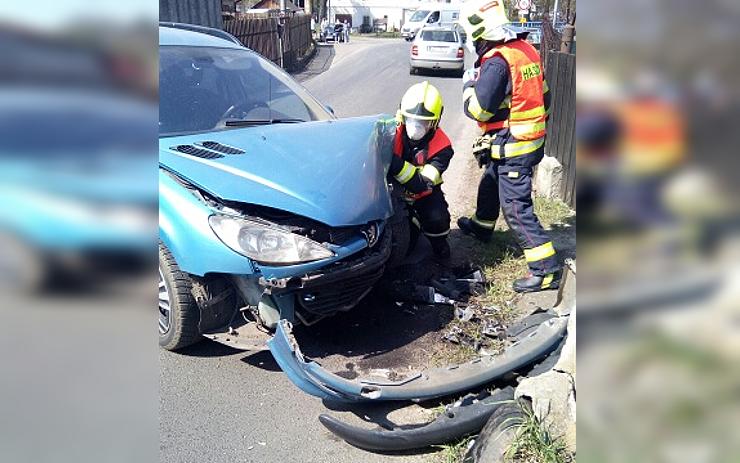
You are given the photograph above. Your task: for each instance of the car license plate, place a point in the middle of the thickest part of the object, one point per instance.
(438, 50)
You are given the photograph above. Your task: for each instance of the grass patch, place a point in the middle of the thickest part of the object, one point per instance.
(461, 353)
(455, 451)
(551, 211)
(534, 444)
(502, 262)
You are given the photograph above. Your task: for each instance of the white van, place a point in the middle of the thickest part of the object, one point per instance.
(428, 14)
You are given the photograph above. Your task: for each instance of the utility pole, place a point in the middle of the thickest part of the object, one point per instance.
(281, 33)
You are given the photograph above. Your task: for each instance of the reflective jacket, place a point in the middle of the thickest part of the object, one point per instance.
(419, 167)
(518, 117)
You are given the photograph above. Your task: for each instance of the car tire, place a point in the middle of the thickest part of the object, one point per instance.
(183, 315)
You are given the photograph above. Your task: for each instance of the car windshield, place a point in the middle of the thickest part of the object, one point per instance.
(205, 89)
(438, 36)
(419, 15)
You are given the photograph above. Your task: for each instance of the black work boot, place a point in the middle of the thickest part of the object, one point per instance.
(441, 248)
(532, 283)
(469, 227)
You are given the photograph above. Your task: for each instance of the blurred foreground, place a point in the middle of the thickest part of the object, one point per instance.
(659, 231)
(78, 221)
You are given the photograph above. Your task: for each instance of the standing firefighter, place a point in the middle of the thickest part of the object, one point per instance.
(422, 152)
(507, 96)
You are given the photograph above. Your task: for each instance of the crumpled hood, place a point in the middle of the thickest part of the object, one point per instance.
(331, 171)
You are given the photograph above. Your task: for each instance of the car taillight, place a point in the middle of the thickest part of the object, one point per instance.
(414, 50)
(460, 52)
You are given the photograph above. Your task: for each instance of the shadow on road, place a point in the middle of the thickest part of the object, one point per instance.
(208, 348)
(262, 360)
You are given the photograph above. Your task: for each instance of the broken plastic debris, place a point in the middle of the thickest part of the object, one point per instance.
(440, 299)
(464, 314)
(493, 330)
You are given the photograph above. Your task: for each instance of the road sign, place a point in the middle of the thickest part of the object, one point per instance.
(523, 4)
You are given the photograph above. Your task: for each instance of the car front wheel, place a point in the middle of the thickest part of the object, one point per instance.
(178, 312)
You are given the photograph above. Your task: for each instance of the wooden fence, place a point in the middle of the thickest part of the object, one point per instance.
(561, 127)
(262, 34)
(201, 12)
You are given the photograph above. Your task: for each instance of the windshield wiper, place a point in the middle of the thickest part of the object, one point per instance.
(250, 122)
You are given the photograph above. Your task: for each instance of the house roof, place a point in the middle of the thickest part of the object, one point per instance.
(275, 5)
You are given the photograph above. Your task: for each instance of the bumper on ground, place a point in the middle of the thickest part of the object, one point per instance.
(534, 341)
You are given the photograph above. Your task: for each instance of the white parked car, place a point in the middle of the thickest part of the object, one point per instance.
(437, 49)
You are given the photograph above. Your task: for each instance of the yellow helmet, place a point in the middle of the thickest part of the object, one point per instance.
(422, 102)
(484, 19)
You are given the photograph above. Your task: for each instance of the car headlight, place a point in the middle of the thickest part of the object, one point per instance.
(264, 243)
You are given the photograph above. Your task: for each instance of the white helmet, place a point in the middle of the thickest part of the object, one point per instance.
(487, 20)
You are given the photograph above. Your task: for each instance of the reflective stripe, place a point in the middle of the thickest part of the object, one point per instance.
(520, 129)
(407, 173)
(437, 235)
(431, 172)
(518, 148)
(547, 280)
(483, 223)
(528, 114)
(506, 103)
(540, 252)
(474, 107)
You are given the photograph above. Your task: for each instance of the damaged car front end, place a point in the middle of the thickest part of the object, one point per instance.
(270, 208)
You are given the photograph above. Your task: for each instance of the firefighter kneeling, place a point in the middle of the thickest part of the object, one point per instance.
(422, 152)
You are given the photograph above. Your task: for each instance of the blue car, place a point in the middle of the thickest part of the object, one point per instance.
(69, 207)
(270, 207)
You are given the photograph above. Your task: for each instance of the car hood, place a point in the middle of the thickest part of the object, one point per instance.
(331, 171)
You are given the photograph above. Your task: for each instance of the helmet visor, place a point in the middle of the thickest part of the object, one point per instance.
(417, 128)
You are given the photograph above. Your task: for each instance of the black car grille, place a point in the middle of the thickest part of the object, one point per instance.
(337, 296)
(343, 285)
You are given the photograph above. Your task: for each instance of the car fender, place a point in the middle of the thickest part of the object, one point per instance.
(184, 229)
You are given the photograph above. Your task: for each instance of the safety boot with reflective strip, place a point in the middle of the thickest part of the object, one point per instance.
(532, 283)
(483, 230)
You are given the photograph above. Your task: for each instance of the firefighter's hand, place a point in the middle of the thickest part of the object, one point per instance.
(470, 74)
(482, 149)
(396, 165)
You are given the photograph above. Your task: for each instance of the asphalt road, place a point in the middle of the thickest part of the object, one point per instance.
(223, 405)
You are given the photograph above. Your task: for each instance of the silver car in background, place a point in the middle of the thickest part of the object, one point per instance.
(437, 49)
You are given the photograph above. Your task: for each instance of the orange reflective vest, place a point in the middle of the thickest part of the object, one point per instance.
(526, 119)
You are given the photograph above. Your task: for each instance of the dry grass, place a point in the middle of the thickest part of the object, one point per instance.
(455, 451)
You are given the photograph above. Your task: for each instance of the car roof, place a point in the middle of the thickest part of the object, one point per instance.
(179, 34)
